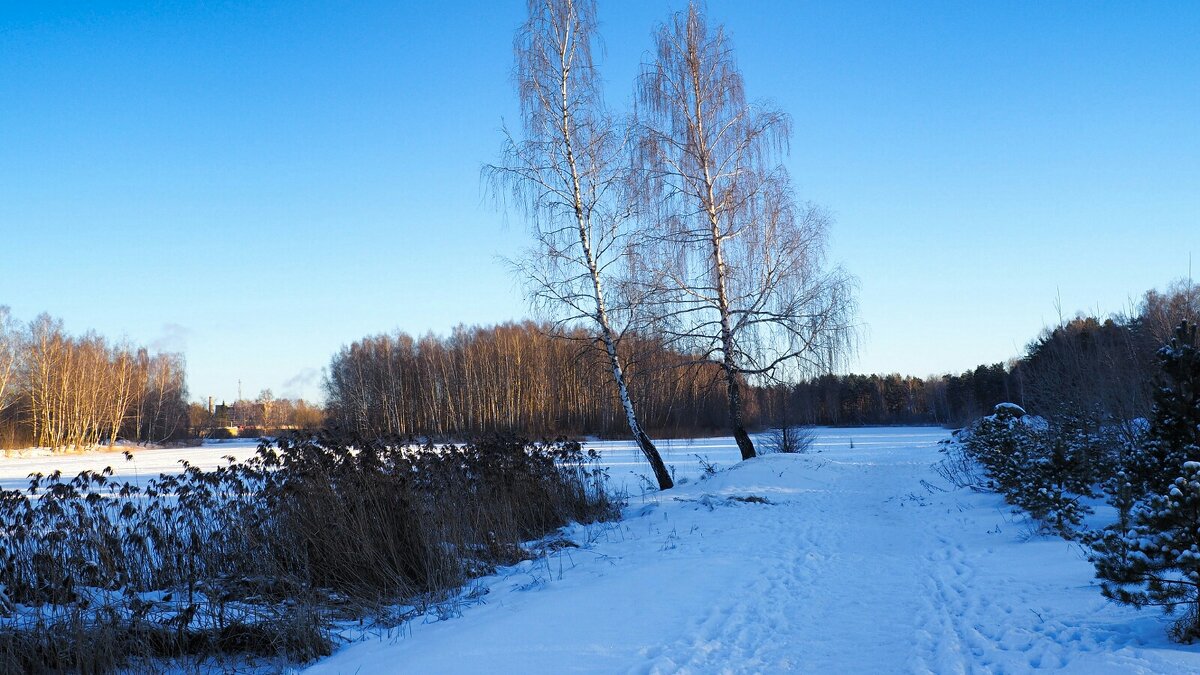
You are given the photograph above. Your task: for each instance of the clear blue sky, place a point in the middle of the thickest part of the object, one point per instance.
(259, 183)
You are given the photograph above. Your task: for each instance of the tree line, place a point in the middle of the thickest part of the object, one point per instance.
(543, 380)
(60, 391)
(878, 400)
(1096, 371)
(536, 379)
(528, 377)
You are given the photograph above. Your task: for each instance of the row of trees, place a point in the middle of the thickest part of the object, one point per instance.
(535, 379)
(1092, 372)
(60, 391)
(852, 400)
(677, 221)
(523, 377)
(1089, 371)
(543, 379)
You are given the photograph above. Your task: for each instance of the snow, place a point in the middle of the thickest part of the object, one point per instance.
(147, 463)
(860, 560)
(1010, 408)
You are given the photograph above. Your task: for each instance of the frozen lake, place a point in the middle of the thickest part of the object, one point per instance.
(624, 460)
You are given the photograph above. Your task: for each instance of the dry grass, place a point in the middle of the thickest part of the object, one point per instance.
(259, 557)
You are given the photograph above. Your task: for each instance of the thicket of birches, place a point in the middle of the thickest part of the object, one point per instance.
(63, 391)
(535, 379)
(1109, 451)
(59, 391)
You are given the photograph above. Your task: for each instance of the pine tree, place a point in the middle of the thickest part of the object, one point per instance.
(1155, 561)
(1174, 433)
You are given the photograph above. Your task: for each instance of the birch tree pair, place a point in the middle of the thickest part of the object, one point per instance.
(681, 222)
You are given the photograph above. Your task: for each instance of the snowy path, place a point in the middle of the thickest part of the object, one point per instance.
(855, 565)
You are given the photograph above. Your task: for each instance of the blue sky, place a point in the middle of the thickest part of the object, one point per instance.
(258, 184)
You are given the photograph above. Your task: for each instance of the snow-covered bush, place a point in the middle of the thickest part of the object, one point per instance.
(1116, 484)
(1038, 468)
(1156, 561)
(1001, 442)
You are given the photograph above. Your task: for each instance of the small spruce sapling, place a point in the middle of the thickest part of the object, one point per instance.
(1156, 562)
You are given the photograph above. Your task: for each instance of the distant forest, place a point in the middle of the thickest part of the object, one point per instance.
(531, 379)
(62, 391)
(58, 390)
(527, 378)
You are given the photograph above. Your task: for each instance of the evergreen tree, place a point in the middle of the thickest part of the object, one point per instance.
(1174, 434)
(1155, 560)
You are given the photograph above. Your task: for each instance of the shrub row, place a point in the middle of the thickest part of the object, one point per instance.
(1046, 470)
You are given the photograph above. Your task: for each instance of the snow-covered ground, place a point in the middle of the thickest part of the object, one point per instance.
(862, 560)
(859, 563)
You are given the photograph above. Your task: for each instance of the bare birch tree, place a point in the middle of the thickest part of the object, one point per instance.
(8, 356)
(739, 273)
(121, 390)
(567, 174)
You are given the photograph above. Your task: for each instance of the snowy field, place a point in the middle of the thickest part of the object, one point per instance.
(860, 560)
(686, 458)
